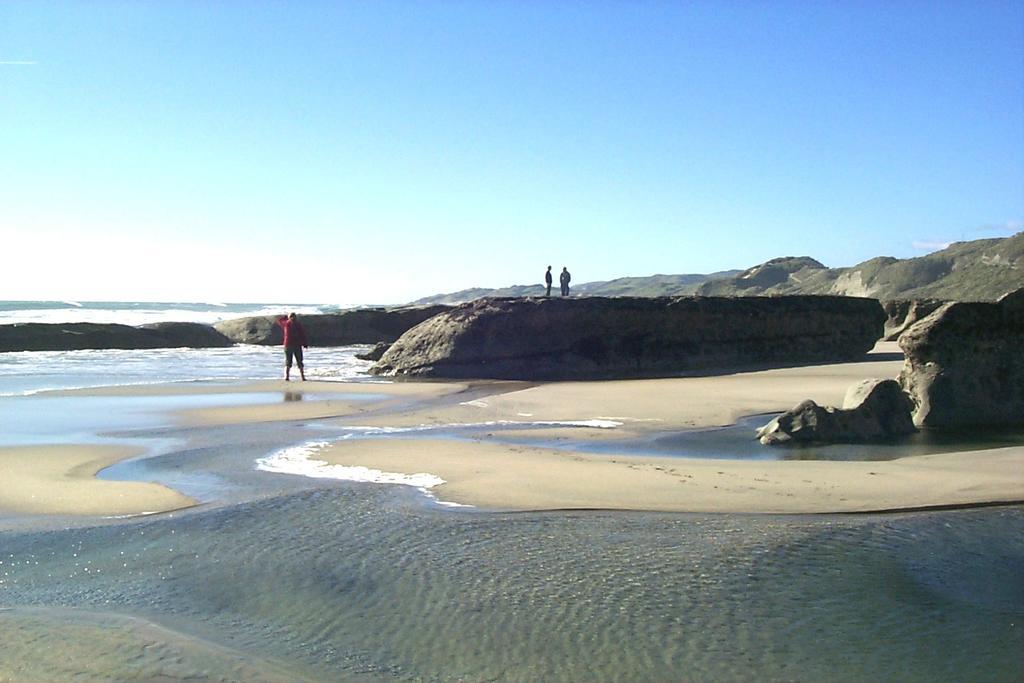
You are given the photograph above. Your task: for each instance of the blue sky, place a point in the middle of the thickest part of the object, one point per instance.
(376, 152)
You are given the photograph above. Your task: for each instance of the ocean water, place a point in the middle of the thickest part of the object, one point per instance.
(283, 577)
(28, 372)
(144, 312)
(360, 583)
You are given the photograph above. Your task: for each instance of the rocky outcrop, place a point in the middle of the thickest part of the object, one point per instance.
(593, 337)
(253, 330)
(356, 326)
(75, 336)
(375, 353)
(902, 313)
(194, 335)
(873, 410)
(964, 365)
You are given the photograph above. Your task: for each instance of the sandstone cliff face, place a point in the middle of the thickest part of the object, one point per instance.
(965, 365)
(592, 338)
(357, 326)
(75, 336)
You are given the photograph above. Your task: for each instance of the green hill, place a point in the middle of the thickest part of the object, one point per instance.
(980, 270)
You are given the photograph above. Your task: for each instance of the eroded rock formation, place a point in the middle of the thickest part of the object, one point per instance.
(873, 410)
(356, 326)
(964, 365)
(902, 313)
(594, 337)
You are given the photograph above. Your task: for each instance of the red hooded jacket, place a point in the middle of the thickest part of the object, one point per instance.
(294, 335)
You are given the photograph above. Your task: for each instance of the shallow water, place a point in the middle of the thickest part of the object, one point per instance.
(43, 418)
(739, 441)
(280, 577)
(733, 442)
(30, 372)
(350, 582)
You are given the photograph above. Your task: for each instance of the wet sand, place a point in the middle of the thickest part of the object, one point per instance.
(61, 480)
(496, 475)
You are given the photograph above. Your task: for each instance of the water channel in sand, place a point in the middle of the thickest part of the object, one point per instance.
(280, 577)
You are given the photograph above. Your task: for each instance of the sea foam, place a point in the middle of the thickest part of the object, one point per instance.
(301, 460)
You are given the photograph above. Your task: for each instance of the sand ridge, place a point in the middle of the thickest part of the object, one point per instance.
(499, 475)
(61, 480)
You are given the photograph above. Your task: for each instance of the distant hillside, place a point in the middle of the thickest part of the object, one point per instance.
(653, 285)
(980, 270)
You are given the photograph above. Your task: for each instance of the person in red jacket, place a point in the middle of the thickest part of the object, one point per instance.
(294, 341)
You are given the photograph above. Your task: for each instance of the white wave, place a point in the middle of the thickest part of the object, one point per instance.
(25, 372)
(593, 424)
(299, 460)
(144, 513)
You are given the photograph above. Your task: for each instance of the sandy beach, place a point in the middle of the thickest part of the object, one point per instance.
(485, 471)
(496, 464)
(61, 480)
(495, 475)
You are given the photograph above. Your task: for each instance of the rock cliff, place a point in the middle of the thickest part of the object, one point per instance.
(75, 336)
(356, 326)
(592, 338)
(964, 365)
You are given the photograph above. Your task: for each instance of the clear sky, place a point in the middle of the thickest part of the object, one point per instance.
(376, 152)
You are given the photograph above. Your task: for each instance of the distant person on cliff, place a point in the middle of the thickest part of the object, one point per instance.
(547, 281)
(564, 279)
(294, 341)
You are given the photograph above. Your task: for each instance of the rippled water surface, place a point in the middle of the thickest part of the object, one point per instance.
(357, 582)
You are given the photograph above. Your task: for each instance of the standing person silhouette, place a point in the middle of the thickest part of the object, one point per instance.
(547, 281)
(564, 279)
(294, 341)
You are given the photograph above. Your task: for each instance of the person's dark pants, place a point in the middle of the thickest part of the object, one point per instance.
(293, 352)
(565, 290)
(549, 290)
